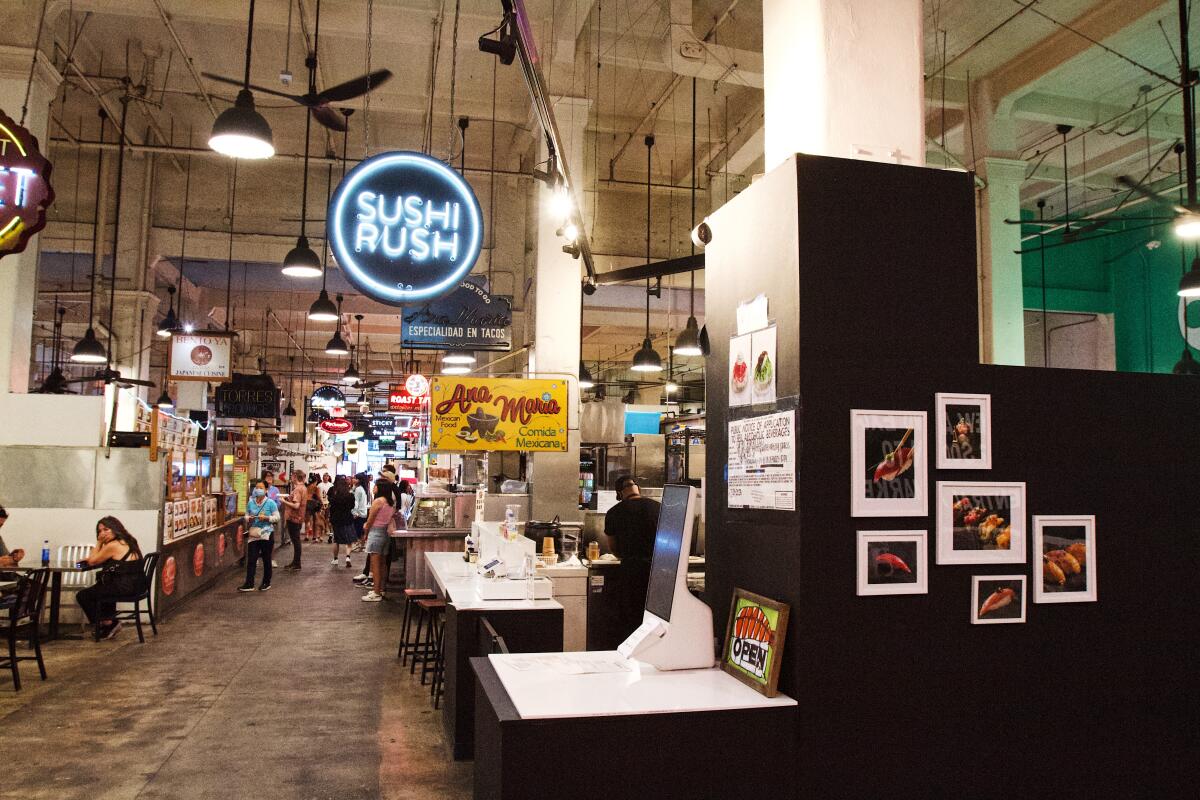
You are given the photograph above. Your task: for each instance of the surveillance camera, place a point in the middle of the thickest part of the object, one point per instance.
(702, 234)
(285, 77)
(589, 288)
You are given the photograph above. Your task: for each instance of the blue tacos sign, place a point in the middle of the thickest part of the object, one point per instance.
(467, 318)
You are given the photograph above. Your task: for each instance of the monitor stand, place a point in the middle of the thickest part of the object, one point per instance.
(686, 642)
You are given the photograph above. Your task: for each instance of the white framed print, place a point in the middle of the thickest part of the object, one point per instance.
(893, 562)
(997, 599)
(889, 468)
(980, 522)
(964, 431)
(1065, 548)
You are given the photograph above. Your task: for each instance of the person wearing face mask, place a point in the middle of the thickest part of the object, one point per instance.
(262, 516)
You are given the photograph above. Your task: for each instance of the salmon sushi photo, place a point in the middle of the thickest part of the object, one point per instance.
(892, 562)
(997, 599)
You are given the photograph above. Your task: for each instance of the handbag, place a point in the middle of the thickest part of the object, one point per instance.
(312, 506)
(107, 574)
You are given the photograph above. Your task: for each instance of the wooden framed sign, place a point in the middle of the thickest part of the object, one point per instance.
(754, 640)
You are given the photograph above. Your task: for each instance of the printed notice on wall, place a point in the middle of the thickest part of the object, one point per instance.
(762, 462)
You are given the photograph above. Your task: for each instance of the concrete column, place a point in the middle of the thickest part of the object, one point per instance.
(844, 78)
(555, 476)
(1001, 284)
(18, 273)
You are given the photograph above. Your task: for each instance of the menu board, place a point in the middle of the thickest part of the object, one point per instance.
(241, 486)
(179, 518)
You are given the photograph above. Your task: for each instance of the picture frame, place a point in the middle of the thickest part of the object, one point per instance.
(754, 638)
(892, 562)
(889, 475)
(980, 522)
(964, 431)
(1065, 578)
(990, 605)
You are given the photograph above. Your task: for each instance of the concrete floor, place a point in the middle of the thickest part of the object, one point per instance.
(295, 693)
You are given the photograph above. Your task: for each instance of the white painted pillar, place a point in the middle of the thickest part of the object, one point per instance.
(18, 273)
(844, 78)
(557, 282)
(1003, 294)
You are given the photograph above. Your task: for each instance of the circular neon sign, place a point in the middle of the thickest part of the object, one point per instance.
(404, 227)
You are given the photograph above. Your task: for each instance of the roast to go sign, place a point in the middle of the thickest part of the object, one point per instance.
(498, 414)
(404, 227)
(25, 191)
(200, 357)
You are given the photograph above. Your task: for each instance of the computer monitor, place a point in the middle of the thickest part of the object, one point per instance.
(673, 521)
(676, 630)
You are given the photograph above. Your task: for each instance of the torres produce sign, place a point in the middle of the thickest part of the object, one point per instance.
(404, 227)
(25, 190)
(498, 414)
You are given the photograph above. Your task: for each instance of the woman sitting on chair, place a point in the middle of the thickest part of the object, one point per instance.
(118, 559)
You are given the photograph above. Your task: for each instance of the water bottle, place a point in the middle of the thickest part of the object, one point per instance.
(45, 552)
(530, 576)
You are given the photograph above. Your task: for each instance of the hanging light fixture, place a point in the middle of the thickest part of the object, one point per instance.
(450, 368)
(290, 410)
(459, 357)
(88, 350)
(336, 346)
(301, 261)
(322, 309)
(164, 401)
(187, 193)
(350, 376)
(585, 377)
(647, 358)
(688, 343)
(170, 323)
(240, 131)
(1189, 284)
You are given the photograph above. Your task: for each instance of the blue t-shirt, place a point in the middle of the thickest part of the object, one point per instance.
(268, 507)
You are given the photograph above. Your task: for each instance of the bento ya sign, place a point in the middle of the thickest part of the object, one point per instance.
(404, 227)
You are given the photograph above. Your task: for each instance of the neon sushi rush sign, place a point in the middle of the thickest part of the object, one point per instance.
(404, 227)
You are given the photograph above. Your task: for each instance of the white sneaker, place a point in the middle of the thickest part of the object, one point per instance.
(347, 562)
(360, 577)
(372, 597)
(333, 563)
(274, 564)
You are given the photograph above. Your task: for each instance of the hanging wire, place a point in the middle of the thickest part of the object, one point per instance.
(492, 186)
(37, 43)
(229, 263)
(454, 83)
(187, 193)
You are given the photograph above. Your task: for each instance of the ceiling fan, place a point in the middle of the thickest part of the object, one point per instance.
(316, 102)
(107, 375)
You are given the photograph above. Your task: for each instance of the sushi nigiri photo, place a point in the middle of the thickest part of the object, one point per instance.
(1004, 601)
(897, 462)
(997, 599)
(887, 563)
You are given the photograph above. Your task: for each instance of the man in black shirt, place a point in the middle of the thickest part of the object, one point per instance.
(631, 525)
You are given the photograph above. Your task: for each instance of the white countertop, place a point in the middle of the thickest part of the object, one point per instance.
(543, 692)
(458, 582)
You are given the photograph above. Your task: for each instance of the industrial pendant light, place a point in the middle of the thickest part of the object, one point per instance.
(647, 359)
(350, 376)
(302, 262)
(240, 131)
(170, 323)
(688, 343)
(88, 350)
(450, 368)
(1189, 284)
(337, 345)
(164, 401)
(585, 377)
(290, 410)
(459, 357)
(322, 309)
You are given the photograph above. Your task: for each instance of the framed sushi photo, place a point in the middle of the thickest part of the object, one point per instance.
(754, 639)
(1066, 547)
(888, 464)
(893, 562)
(980, 523)
(997, 599)
(964, 425)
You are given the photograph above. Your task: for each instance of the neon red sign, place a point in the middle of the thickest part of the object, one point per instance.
(25, 190)
(410, 397)
(337, 425)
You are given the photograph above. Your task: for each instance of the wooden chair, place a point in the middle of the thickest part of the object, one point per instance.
(24, 610)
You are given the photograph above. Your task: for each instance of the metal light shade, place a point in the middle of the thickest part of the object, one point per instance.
(290, 411)
(1187, 365)
(301, 261)
(323, 309)
(647, 359)
(585, 377)
(337, 345)
(241, 132)
(169, 324)
(688, 343)
(456, 369)
(1189, 284)
(164, 400)
(705, 346)
(88, 350)
(350, 376)
(459, 357)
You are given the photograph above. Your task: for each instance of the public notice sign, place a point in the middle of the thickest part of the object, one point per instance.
(200, 357)
(496, 414)
(762, 462)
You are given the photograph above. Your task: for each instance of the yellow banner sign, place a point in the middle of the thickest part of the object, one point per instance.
(498, 414)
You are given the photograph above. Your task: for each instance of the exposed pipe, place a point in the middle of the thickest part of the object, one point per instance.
(166, 20)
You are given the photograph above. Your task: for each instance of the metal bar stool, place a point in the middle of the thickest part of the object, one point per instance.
(411, 617)
(431, 612)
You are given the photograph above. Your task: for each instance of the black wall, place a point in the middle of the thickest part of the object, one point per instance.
(901, 695)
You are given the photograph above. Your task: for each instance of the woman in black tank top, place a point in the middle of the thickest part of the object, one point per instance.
(118, 559)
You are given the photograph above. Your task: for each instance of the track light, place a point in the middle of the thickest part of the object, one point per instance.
(505, 48)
